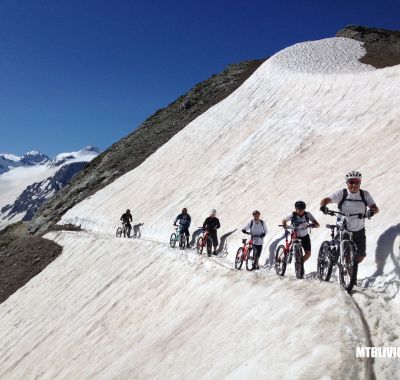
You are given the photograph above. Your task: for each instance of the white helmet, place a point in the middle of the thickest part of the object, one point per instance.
(354, 174)
(213, 211)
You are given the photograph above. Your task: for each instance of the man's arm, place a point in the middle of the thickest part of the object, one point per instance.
(374, 208)
(326, 201)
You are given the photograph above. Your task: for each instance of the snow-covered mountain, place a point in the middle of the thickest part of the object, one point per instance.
(119, 308)
(11, 161)
(28, 181)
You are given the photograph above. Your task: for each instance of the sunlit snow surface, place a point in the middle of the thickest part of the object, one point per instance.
(112, 308)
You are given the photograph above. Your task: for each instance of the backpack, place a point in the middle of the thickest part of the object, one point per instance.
(344, 198)
(262, 223)
(294, 215)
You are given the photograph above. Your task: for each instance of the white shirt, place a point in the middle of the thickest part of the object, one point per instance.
(257, 229)
(356, 206)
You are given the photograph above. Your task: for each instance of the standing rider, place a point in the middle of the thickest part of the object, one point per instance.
(301, 219)
(258, 230)
(353, 200)
(184, 223)
(211, 224)
(126, 218)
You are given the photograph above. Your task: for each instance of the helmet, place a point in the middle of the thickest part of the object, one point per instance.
(213, 211)
(354, 174)
(255, 212)
(184, 210)
(300, 205)
(128, 211)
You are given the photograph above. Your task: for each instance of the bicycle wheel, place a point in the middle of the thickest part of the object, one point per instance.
(325, 264)
(199, 245)
(118, 233)
(239, 258)
(251, 259)
(348, 266)
(172, 240)
(182, 241)
(298, 261)
(280, 261)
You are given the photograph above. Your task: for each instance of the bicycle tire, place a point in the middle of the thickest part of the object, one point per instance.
(251, 259)
(182, 241)
(239, 258)
(172, 240)
(280, 260)
(324, 262)
(118, 233)
(348, 268)
(298, 261)
(199, 245)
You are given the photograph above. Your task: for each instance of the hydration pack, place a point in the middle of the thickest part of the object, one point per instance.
(344, 198)
(262, 223)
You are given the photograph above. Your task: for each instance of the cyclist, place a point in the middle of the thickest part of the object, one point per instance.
(353, 200)
(302, 218)
(258, 230)
(126, 218)
(211, 224)
(184, 223)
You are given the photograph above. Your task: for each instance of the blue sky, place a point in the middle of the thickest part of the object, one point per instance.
(74, 73)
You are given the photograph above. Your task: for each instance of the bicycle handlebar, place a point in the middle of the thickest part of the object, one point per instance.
(295, 227)
(359, 215)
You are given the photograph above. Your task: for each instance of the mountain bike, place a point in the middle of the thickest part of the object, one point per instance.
(202, 241)
(123, 230)
(178, 236)
(292, 247)
(246, 253)
(340, 251)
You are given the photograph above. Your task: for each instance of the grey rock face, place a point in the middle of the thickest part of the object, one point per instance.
(131, 151)
(383, 46)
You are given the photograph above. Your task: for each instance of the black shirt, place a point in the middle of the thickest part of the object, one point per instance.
(211, 223)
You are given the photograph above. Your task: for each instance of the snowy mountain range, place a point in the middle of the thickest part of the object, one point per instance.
(136, 308)
(26, 182)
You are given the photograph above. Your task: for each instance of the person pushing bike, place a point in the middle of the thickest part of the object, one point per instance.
(353, 200)
(211, 224)
(257, 229)
(302, 219)
(184, 223)
(126, 218)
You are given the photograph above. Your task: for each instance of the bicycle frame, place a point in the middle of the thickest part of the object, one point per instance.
(246, 247)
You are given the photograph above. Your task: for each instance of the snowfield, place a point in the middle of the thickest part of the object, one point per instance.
(115, 308)
(141, 310)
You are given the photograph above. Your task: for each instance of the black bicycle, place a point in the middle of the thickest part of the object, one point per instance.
(123, 230)
(340, 251)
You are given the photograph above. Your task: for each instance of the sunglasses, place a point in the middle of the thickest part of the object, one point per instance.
(358, 183)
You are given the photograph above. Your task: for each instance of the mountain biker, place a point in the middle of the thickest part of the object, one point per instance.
(302, 218)
(353, 200)
(211, 224)
(126, 218)
(258, 230)
(184, 223)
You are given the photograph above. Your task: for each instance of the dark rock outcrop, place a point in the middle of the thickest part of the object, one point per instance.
(383, 46)
(131, 151)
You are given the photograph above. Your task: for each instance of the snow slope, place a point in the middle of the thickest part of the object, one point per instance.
(128, 309)
(305, 118)
(114, 308)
